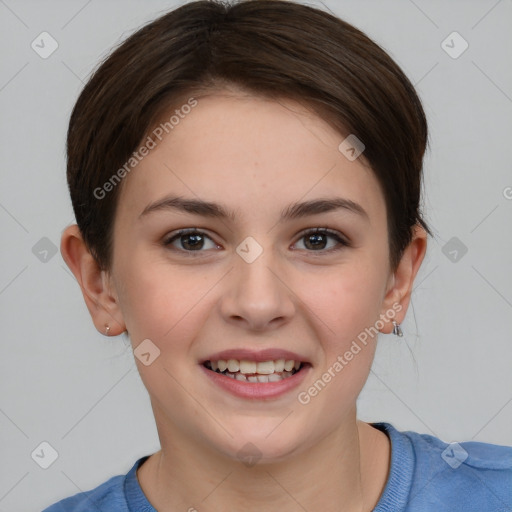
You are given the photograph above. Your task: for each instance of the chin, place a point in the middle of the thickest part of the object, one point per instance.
(262, 442)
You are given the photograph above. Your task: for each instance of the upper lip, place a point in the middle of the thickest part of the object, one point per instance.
(269, 354)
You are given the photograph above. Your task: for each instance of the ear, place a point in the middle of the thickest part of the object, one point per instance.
(96, 285)
(401, 282)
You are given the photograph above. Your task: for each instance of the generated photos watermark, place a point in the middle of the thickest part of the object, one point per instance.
(152, 141)
(304, 397)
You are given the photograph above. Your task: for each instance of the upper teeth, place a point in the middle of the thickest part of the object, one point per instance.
(262, 367)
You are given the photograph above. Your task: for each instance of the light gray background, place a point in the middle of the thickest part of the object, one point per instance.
(64, 383)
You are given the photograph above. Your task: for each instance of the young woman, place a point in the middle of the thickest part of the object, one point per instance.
(246, 181)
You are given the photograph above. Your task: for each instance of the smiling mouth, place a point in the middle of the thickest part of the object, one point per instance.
(252, 371)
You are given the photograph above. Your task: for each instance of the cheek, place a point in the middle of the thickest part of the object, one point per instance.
(346, 301)
(345, 309)
(157, 300)
(167, 307)
(346, 304)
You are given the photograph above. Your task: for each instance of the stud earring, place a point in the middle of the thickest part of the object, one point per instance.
(107, 329)
(397, 331)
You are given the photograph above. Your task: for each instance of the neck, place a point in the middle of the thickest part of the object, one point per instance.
(345, 471)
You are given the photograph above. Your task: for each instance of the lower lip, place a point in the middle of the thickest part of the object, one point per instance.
(257, 390)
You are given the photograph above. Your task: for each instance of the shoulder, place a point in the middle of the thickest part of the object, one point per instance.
(469, 476)
(107, 496)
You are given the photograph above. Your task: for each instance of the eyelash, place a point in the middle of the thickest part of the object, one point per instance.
(342, 242)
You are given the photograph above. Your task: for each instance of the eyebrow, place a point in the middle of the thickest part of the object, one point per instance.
(293, 211)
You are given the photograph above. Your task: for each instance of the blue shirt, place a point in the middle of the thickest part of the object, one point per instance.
(426, 474)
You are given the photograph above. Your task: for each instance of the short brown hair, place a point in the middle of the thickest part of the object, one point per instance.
(269, 48)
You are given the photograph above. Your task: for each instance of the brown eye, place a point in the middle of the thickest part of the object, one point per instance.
(189, 240)
(317, 240)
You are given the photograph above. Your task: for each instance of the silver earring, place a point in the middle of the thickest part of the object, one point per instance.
(107, 329)
(397, 331)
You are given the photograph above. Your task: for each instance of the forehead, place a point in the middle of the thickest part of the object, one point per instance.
(250, 154)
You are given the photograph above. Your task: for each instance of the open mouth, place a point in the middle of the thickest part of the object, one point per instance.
(252, 371)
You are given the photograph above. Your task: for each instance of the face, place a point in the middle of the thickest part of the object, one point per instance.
(257, 282)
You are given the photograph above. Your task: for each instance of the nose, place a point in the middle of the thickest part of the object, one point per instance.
(256, 295)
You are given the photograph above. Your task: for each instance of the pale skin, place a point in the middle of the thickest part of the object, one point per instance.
(255, 157)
